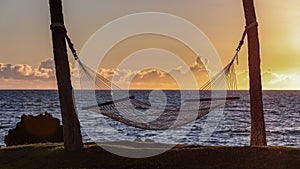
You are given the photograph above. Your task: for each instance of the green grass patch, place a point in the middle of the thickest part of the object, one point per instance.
(181, 156)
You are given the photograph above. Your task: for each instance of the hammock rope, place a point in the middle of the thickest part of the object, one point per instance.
(133, 112)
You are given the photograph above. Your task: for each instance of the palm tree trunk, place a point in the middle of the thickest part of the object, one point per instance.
(258, 134)
(71, 126)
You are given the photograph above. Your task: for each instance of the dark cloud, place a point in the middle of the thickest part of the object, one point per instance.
(199, 65)
(18, 71)
(45, 71)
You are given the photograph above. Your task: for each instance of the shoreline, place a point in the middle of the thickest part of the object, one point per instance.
(52, 155)
(266, 90)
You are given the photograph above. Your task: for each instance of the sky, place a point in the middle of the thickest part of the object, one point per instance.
(26, 59)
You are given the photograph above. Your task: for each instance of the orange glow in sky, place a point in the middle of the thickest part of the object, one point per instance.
(26, 49)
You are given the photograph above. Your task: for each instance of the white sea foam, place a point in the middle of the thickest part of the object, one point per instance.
(282, 116)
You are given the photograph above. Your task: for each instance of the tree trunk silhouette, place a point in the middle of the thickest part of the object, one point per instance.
(71, 127)
(258, 134)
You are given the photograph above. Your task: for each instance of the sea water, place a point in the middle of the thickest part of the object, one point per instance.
(281, 108)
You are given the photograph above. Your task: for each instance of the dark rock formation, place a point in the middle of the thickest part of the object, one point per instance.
(35, 129)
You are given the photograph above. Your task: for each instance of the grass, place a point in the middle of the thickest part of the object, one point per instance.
(183, 157)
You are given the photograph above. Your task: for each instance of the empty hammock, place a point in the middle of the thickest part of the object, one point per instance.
(134, 112)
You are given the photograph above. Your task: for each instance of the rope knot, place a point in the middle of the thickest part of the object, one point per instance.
(58, 25)
(251, 25)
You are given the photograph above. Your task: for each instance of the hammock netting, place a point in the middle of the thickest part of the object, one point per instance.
(140, 114)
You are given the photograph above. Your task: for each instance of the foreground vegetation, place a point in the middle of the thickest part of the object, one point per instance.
(54, 156)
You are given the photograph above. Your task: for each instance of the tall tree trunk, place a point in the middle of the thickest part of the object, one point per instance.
(71, 126)
(258, 134)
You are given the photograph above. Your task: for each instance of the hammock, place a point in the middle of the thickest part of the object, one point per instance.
(134, 112)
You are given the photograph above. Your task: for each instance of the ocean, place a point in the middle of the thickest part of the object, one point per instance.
(281, 108)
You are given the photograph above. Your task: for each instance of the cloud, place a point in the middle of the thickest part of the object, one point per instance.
(268, 77)
(45, 71)
(17, 71)
(274, 80)
(242, 79)
(149, 78)
(47, 64)
(155, 78)
(271, 80)
(108, 73)
(152, 74)
(199, 65)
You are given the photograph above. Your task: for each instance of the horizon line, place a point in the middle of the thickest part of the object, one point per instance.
(53, 89)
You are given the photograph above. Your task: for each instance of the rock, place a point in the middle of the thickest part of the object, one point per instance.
(149, 140)
(138, 139)
(35, 129)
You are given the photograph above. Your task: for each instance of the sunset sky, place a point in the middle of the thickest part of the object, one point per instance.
(26, 49)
